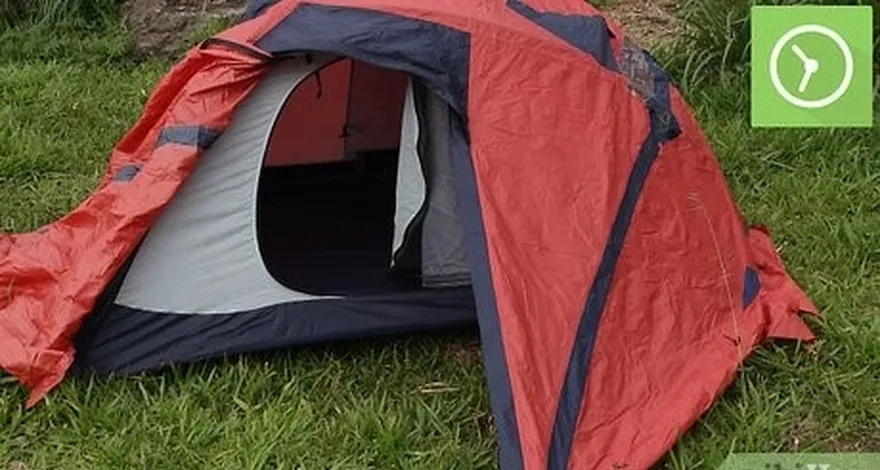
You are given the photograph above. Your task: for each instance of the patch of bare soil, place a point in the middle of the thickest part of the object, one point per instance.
(466, 351)
(163, 27)
(647, 22)
(808, 428)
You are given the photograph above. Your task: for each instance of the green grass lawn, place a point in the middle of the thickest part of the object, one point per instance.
(420, 402)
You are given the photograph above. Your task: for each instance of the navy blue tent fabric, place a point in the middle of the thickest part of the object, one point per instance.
(590, 34)
(382, 39)
(123, 340)
(257, 7)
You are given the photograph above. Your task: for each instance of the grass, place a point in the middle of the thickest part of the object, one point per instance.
(365, 405)
(52, 156)
(79, 14)
(718, 38)
(420, 402)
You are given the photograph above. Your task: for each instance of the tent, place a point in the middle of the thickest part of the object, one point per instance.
(350, 168)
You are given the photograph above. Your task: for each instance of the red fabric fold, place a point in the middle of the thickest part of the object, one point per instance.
(781, 300)
(52, 277)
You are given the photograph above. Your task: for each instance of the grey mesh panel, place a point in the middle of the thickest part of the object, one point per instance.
(410, 181)
(202, 255)
(444, 253)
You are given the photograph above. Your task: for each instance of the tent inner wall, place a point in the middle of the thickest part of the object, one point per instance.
(428, 235)
(201, 256)
(343, 110)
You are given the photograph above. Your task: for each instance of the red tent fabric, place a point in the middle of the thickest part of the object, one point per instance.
(618, 289)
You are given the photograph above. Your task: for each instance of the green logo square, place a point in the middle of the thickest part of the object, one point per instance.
(812, 66)
(790, 461)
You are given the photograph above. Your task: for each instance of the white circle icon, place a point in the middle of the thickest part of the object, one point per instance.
(811, 66)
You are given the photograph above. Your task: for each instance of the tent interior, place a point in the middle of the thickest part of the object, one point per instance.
(327, 197)
(326, 228)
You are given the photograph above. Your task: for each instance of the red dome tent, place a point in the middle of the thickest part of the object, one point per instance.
(563, 194)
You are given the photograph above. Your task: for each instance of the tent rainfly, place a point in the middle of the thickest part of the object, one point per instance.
(339, 169)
